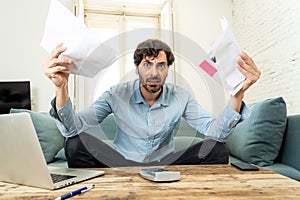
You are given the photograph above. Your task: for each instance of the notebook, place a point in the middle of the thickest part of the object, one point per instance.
(22, 159)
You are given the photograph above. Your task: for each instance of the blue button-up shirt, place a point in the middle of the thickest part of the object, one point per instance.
(145, 133)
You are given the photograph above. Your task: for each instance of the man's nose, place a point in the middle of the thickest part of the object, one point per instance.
(153, 71)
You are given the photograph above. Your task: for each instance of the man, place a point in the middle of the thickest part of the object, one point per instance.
(146, 112)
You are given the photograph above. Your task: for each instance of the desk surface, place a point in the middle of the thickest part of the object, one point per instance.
(197, 182)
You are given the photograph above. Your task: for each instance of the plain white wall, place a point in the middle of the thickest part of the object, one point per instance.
(22, 24)
(20, 53)
(22, 29)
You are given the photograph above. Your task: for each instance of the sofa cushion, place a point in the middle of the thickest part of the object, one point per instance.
(258, 138)
(291, 141)
(49, 136)
(183, 129)
(182, 142)
(106, 130)
(285, 170)
(61, 154)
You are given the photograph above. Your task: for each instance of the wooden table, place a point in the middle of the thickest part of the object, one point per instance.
(197, 182)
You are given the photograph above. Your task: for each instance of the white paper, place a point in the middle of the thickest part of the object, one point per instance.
(87, 53)
(225, 53)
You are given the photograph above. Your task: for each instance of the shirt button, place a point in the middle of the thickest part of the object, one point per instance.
(236, 120)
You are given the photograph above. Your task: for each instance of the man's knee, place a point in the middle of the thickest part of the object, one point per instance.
(76, 153)
(79, 154)
(218, 153)
(72, 144)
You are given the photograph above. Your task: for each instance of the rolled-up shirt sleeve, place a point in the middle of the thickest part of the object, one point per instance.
(216, 127)
(71, 123)
(223, 125)
(65, 122)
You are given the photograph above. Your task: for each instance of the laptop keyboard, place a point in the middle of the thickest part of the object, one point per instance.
(59, 177)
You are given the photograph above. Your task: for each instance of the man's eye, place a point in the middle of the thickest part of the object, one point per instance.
(161, 65)
(147, 65)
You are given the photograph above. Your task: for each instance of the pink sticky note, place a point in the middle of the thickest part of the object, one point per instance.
(208, 68)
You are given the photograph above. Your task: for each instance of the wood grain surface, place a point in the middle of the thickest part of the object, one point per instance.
(197, 182)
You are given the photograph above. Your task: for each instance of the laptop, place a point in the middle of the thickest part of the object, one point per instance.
(22, 159)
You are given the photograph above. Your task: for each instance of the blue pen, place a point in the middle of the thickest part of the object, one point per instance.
(79, 191)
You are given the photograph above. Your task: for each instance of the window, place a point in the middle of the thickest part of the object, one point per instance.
(112, 19)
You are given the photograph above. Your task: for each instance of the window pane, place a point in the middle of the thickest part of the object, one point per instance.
(103, 27)
(133, 23)
(107, 26)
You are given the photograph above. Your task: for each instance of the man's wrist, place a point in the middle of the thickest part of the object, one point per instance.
(239, 96)
(237, 100)
(62, 96)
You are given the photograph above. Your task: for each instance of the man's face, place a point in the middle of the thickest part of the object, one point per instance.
(153, 72)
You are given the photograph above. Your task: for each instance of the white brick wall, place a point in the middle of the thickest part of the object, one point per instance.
(269, 31)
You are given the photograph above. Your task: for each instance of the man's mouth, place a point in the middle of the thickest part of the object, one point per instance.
(152, 85)
(153, 81)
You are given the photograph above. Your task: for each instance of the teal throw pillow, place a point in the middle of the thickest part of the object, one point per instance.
(258, 138)
(48, 134)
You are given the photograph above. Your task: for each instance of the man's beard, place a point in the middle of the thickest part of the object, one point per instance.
(152, 88)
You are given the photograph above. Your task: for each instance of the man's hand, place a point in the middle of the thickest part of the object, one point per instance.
(247, 67)
(57, 71)
(56, 68)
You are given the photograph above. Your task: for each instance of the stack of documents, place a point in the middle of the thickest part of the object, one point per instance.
(88, 54)
(221, 61)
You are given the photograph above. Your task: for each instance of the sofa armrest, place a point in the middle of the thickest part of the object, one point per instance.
(291, 141)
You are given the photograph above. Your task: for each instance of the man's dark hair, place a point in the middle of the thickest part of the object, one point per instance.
(152, 47)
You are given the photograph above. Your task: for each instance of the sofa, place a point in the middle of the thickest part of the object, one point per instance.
(267, 138)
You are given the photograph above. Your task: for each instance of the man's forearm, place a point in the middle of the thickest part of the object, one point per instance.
(236, 101)
(62, 96)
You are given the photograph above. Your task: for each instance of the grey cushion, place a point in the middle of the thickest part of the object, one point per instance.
(49, 136)
(258, 139)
